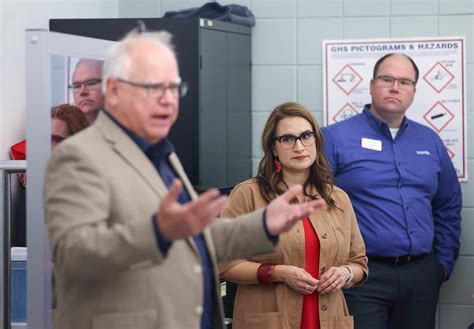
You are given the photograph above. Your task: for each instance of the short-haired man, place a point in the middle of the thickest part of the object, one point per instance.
(407, 199)
(132, 247)
(86, 87)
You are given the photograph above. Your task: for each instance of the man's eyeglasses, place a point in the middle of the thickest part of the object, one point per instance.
(288, 141)
(386, 81)
(157, 90)
(91, 83)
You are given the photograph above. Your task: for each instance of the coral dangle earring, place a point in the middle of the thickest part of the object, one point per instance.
(277, 165)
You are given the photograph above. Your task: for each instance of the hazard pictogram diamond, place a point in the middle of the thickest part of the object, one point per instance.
(347, 79)
(438, 116)
(438, 77)
(345, 113)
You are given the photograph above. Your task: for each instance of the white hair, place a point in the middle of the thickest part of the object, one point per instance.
(118, 61)
(89, 62)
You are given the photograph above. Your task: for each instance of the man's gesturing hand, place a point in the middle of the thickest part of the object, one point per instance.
(281, 214)
(178, 221)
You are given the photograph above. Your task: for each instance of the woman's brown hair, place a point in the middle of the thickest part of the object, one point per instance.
(320, 176)
(74, 118)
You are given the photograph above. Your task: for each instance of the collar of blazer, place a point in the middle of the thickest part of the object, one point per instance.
(131, 153)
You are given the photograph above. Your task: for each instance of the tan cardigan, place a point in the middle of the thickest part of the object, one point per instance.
(278, 306)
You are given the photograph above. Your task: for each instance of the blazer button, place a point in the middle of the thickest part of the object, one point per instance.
(198, 310)
(324, 236)
(197, 269)
(323, 269)
(324, 307)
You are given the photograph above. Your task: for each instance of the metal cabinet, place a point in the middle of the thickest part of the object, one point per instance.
(213, 134)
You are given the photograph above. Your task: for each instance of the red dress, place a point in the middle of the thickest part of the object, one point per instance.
(310, 313)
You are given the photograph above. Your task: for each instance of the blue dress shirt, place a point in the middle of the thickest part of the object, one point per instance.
(405, 191)
(158, 155)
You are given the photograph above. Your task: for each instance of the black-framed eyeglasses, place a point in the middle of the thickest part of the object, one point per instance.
(157, 90)
(288, 141)
(91, 83)
(386, 81)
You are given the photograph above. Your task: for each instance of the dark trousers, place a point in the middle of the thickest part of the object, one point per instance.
(397, 296)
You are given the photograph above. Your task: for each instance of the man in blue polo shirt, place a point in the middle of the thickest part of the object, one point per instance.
(407, 199)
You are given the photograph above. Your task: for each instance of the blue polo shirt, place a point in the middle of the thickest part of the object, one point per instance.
(158, 155)
(405, 191)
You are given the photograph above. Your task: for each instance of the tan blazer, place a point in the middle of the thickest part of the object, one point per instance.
(100, 194)
(278, 306)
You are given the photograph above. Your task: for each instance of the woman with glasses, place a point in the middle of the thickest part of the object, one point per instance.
(66, 120)
(300, 285)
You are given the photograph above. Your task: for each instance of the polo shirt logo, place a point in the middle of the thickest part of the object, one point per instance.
(423, 152)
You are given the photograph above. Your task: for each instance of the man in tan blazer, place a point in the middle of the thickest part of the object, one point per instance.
(133, 248)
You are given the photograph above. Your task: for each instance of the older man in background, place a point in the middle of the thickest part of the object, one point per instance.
(86, 87)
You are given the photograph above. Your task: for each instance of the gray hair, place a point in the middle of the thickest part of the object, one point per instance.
(94, 63)
(118, 61)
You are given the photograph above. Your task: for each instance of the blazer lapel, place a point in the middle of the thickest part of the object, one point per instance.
(178, 167)
(131, 153)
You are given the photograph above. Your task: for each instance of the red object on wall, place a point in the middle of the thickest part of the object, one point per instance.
(18, 151)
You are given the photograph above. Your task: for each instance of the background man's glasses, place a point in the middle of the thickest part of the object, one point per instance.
(386, 81)
(157, 90)
(288, 141)
(88, 83)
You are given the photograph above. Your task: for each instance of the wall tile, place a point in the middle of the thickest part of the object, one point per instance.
(139, 8)
(366, 27)
(246, 3)
(460, 287)
(274, 8)
(319, 8)
(258, 122)
(456, 316)
(410, 7)
(456, 7)
(413, 26)
(366, 7)
(255, 163)
(310, 88)
(319, 116)
(274, 41)
(311, 33)
(176, 5)
(467, 225)
(468, 188)
(272, 85)
(459, 25)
